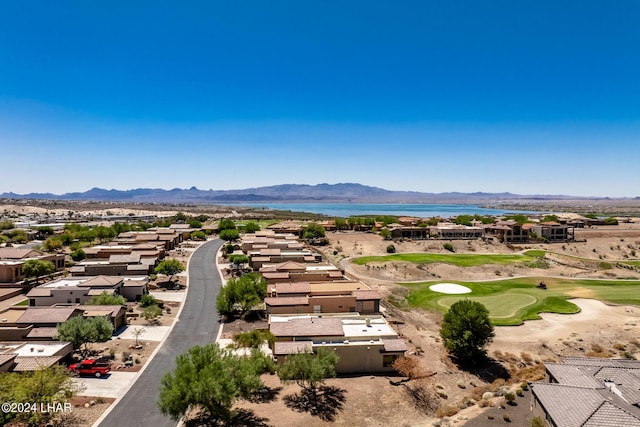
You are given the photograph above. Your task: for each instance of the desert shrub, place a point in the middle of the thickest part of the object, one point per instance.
(604, 265)
(478, 392)
(391, 249)
(519, 392)
(125, 356)
(619, 346)
(147, 300)
(484, 403)
(409, 367)
(497, 383)
(446, 411)
(526, 357)
(506, 418)
(528, 373)
(597, 348)
(538, 422)
(537, 263)
(448, 246)
(629, 355)
(509, 397)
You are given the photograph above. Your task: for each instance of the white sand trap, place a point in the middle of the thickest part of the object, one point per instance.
(450, 288)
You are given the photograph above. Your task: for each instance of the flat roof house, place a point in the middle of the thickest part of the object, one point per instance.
(363, 343)
(32, 356)
(79, 290)
(554, 232)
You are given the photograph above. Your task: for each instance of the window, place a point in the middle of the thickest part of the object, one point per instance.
(78, 300)
(388, 359)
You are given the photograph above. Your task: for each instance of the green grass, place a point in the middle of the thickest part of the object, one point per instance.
(512, 301)
(633, 263)
(25, 302)
(460, 260)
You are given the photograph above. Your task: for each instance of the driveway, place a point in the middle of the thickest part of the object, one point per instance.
(111, 385)
(197, 325)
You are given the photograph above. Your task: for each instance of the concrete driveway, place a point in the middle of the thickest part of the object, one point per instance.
(178, 296)
(111, 385)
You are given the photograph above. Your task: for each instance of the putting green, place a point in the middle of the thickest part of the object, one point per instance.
(500, 306)
(511, 301)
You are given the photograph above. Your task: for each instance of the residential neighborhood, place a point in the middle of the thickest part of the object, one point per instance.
(311, 302)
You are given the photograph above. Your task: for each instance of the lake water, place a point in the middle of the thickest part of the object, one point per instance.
(393, 209)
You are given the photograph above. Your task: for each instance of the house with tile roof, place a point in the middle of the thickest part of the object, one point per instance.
(300, 272)
(340, 296)
(587, 392)
(12, 260)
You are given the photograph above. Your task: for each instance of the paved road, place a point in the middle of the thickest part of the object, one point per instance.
(197, 325)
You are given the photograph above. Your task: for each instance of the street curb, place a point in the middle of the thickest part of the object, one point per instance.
(123, 392)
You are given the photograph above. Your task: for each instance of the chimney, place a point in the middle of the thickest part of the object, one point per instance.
(367, 321)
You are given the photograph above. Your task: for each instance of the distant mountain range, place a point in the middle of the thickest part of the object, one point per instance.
(288, 193)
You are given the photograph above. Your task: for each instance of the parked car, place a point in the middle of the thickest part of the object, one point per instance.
(91, 367)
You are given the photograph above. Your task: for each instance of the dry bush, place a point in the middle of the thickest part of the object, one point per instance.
(528, 373)
(526, 357)
(497, 384)
(619, 346)
(598, 351)
(410, 367)
(511, 358)
(484, 403)
(477, 392)
(446, 411)
(603, 355)
(634, 342)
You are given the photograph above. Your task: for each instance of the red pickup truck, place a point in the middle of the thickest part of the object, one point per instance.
(91, 367)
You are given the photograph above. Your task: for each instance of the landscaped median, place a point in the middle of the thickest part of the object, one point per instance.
(512, 301)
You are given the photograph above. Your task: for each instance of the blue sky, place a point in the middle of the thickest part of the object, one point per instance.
(529, 97)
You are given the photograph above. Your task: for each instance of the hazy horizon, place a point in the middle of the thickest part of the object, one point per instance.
(435, 97)
(312, 185)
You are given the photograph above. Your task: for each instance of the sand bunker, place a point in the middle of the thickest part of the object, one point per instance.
(450, 288)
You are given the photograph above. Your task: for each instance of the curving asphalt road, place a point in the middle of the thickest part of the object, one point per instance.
(197, 325)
